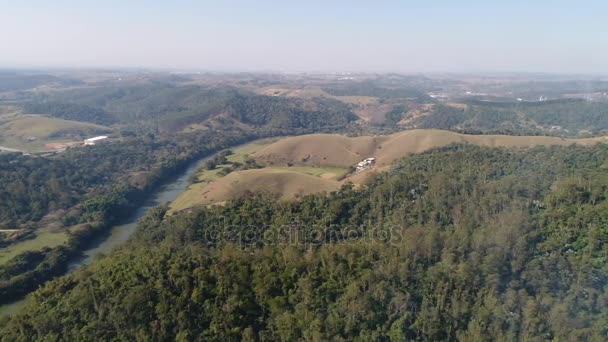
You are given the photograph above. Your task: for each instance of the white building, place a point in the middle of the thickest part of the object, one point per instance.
(365, 164)
(95, 140)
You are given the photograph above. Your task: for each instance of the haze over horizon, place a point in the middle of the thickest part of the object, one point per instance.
(408, 36)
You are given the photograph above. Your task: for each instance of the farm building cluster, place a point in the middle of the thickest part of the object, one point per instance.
(365, 164)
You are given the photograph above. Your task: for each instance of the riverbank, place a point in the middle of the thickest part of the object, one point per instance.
(102, 239)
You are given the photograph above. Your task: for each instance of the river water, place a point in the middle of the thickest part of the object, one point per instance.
(121, 232)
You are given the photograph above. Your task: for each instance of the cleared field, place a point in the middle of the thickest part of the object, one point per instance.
(204, 176)
(243, 152)
(337, 150)
(240, 154)
(319, 150)
(34, 133)
(283, 184)
(42, 239)
(302, 165)
(334, 173)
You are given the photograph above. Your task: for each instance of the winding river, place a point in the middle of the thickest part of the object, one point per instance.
(121, 232)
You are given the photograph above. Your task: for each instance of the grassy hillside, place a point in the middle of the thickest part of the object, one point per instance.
(279, 183)
(317, 162)
(209, 187)
(33, 132)
(319, 150)
(343, 151)
(42, 239)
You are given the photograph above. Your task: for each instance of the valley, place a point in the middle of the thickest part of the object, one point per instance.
(337, 171)
(203, 172)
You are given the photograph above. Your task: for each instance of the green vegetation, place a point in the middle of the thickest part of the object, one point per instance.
(16, 81)
(242, 153)
(41, 240)
(90, 187)
(564, 117)
(165, 108)
(32, 133)
(463, 242)
(371, 88)
(573, 115)
(70, 111)
(239, 159)
(457, 243)
(94, 187)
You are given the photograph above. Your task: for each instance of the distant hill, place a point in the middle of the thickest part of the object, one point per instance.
(569, 117)
(371, 88)
(171, 108)
(16, 81)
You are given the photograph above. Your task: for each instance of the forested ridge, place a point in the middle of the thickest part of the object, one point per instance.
(70, 111)
(169, 108)
(568, 117)
(460, 243)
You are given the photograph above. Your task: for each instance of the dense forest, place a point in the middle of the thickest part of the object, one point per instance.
(33, 187)
(86, 189)
(376, 89)
(70, 111)
(568, 117)
(462, 242)
(167, 108)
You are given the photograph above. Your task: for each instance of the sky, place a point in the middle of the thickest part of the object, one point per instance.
(308, 35)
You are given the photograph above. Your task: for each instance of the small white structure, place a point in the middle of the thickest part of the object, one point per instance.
(365, 164)
(95, 140)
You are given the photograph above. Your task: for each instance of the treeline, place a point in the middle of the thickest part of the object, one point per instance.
(95, 186)
(70, 111)
(460, 243)
(376, 89)
(19, 81)
(33, 187)
(563, 117)
(286, 113)
(170, 108)
(87, 190)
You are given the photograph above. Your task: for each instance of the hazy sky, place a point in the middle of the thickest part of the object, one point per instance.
(308, 35)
